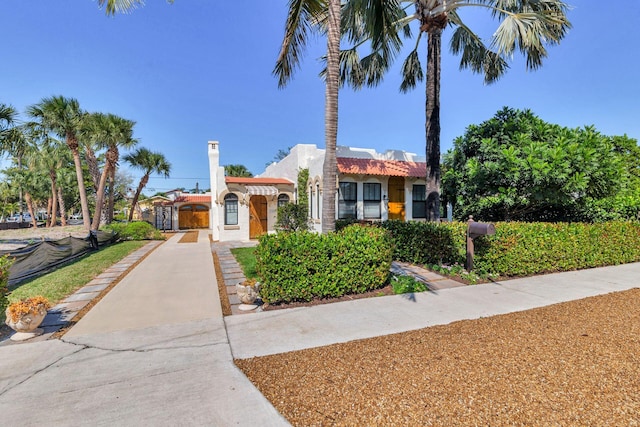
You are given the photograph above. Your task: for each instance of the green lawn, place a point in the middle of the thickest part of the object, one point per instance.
(247, 259)
(64, 281)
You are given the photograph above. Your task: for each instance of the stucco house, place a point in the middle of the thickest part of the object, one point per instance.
(371, 186)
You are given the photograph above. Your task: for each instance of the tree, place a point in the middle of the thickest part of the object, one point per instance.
(281, 154)
(150, 162)
(525, 25)
(515, 166)
(304, 17)
(13, 140)
(111, 132)
(237, 170)
(64, 118)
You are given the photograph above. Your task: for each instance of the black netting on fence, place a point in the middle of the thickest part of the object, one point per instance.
(42, 257)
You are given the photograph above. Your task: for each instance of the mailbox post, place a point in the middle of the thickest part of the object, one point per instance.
(476, 229)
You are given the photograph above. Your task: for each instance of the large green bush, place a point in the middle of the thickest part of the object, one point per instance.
(5, 264)
(302, 266)
(137, 230)
(535, 248)
(518, 248)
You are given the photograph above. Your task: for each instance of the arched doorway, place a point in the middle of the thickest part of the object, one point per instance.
(193, 216)
(257, 216)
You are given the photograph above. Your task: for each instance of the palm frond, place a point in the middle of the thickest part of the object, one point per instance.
(120, 6)
(411, 72)
(304, 17)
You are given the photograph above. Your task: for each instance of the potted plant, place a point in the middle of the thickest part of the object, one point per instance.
(25, 316)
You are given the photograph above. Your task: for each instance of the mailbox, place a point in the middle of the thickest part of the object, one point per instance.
(477, 229)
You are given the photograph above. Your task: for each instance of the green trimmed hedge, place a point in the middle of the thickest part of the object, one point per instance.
(302, 266)
(518, 248)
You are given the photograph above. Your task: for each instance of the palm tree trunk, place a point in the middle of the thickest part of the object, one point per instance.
(86, 215)
(143, 182)
(92, 164)
(330, 167)
(63, 210)
(54, 198)
(29, 202)
(112, 187)
(434, 55)
(100, 197)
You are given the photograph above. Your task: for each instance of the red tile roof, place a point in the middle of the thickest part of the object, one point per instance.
(381, 167)
(193, 198)
(256, 181)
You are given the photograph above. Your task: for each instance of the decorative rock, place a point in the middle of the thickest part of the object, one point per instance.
(247, 293)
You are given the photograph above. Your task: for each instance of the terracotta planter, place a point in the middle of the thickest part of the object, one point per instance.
(27, 325)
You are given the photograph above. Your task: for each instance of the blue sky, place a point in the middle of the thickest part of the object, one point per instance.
(200, 70)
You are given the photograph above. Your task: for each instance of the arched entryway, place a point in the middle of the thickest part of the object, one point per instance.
(257, 216)
(193, 216)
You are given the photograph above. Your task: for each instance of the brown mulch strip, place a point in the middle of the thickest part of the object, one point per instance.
(189, 237)
(574, 363)
(222, 288)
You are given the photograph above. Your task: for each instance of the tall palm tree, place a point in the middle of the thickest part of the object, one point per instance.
(63, 117)
(525, 26)
(150, 162)
(111, 132)
(304, 17)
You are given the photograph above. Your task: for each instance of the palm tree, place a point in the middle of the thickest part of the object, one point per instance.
(525, 25)
(306, 16)
(13, 140)
(237, 170)
(109, 131)
(150, 162)
(63, 117)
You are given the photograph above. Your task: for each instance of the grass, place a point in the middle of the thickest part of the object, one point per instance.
(247, 259)
(59, 284)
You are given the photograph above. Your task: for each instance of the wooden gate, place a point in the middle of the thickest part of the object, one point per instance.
(396, 197)
(193, 216)
(257, 216)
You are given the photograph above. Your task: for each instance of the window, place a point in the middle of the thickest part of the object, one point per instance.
(318, 200)
(283, 199)
(348, 199)
(419, 201)
(310, 201)
(230, 209)
(372, 200)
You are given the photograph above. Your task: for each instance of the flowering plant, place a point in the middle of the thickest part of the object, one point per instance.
(25, 306)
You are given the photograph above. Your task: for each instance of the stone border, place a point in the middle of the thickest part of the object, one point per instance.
(231, 271)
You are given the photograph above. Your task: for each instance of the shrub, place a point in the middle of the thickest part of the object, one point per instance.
(5, 264)
(519, 249)
(406, 285)
(302, 266)
(427, 242)
(137, 230)
(292, 217)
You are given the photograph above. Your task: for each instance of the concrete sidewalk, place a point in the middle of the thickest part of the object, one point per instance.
(300, 328)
